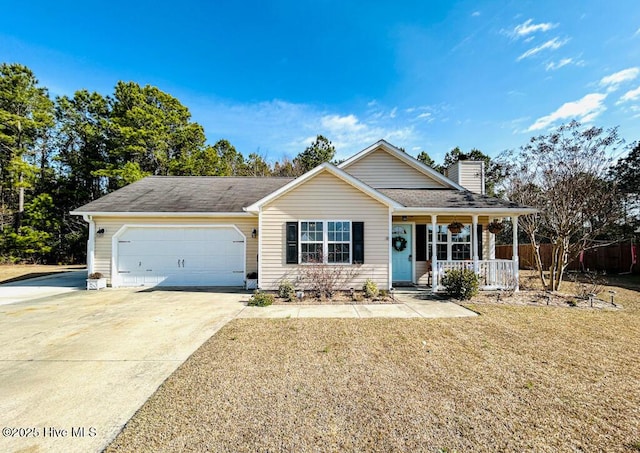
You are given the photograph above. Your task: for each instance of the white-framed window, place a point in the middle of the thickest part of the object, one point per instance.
(339, 242)
(327, 241)
(461, 244)
(450, 246)
(311, 241)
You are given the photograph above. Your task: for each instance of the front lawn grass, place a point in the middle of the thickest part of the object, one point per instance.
(516, 378)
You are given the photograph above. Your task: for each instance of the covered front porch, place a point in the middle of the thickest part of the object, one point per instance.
(423, 249)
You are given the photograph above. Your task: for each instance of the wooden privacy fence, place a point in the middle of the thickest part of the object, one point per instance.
(615, 258)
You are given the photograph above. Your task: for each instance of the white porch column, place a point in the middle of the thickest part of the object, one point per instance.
(259, 283)
(516, 272)
(492, 243)
(434, 252)
(389, 250)
(474, 242)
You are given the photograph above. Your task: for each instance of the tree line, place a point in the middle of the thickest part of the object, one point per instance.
(58, 154)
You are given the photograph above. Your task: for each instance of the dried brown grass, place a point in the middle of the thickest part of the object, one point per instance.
(515, 378)
(12, 272)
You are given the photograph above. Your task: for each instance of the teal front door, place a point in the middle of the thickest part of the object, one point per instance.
(401, 252)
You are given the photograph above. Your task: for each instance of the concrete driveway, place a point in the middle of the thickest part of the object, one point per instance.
(74, 367)
(40, 287)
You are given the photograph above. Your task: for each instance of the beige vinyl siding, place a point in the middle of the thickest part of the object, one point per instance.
(380, 169)
(467, 173)
(111, 225)
(324, 197)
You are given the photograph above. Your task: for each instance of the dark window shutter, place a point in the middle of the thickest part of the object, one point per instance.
(421, 243)
(479, 242)
(292, 242)
(357, 233)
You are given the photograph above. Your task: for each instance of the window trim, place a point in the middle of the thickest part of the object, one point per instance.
(449, 242)
(325, 241)
(301, 241)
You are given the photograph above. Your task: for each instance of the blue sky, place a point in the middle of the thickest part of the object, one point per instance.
(424, 75)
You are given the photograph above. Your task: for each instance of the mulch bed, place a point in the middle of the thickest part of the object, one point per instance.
(543, 298)
(339, 298)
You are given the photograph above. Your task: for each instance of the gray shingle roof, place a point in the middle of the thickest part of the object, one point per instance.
(186, 194)
(231, 194)
(445, 198)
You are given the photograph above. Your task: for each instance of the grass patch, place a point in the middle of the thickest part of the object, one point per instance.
(516, 378)
(17, 272)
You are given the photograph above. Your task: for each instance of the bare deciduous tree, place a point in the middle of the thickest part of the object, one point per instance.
(325, 279)
(565, 175)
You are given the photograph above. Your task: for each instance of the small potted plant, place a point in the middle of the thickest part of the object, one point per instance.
(455, 227)
(251, 281)
(495, 227)
(96, 281)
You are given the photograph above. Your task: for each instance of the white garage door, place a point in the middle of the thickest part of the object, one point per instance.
(180, 256)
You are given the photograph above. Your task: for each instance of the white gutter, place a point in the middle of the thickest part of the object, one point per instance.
(162, 214)
(505, 212)
(91, 243)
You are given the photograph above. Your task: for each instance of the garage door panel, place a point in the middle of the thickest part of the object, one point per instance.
(170, 256)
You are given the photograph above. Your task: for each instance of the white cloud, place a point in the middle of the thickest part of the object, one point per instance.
(337, 123)
(528, 27)
(349, 134)
(613, 81)
(585, 110)
(278, 128)
(475, 13)
(552, 66)
(552, 44)
(631, 95)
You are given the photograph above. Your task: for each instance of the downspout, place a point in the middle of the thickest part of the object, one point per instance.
(91, 243)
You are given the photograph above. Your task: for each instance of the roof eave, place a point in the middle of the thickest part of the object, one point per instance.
(503, 211)
(161, 214)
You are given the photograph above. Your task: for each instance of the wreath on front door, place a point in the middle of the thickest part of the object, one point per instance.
(399, 243)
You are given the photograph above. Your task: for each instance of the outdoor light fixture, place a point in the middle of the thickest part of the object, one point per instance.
(404, 218)
(100, 231)
(254, 233)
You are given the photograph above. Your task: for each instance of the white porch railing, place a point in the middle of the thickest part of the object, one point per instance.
(494, 274)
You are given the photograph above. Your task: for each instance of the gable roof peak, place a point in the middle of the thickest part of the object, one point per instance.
(333, 170)
(403, 156)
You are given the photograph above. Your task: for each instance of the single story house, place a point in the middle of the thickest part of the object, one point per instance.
(382, 213)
